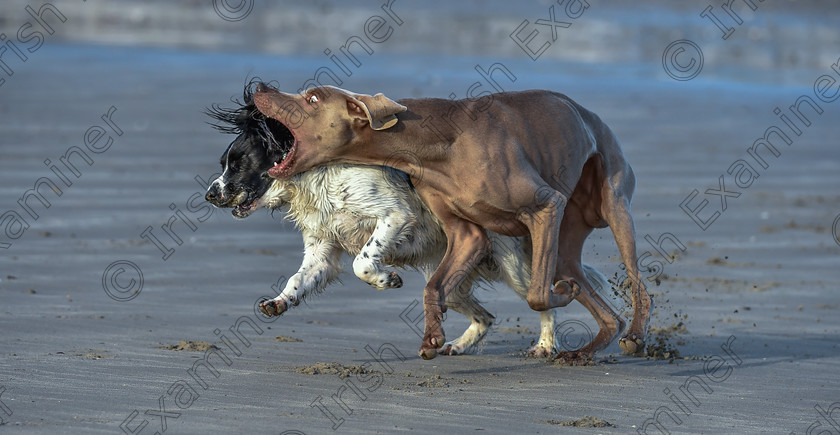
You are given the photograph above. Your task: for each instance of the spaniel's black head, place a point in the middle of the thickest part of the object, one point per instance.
(260, 142)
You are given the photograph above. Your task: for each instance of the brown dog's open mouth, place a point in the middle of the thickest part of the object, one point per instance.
(284, 141)
(283, 168)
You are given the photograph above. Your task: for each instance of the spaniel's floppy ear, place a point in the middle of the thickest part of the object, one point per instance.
(379, 110)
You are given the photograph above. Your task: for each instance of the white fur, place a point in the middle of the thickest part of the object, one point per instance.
(375, 214)
(221, 179)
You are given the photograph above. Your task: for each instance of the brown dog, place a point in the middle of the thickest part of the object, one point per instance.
(503, 162)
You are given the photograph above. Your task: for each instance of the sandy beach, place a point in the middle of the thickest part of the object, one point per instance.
(93, 312)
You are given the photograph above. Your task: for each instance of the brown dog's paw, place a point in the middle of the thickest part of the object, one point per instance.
(632, 344)
(566, 287)
(428, 353)
(573, 358)
(272, 307)
(433, 340)
(563, 292)
(429, 348)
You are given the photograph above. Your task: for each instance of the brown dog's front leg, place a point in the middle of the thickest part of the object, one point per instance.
(467, 245)
(433, 337)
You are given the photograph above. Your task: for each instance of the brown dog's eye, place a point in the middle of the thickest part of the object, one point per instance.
(313, 99)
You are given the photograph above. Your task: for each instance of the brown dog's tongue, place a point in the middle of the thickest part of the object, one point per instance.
(275, 172)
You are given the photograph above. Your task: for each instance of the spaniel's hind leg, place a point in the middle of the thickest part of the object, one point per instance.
(463, 301)
(547, 343)
(513, 255)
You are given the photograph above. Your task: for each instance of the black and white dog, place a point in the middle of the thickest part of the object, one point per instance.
(372, 213)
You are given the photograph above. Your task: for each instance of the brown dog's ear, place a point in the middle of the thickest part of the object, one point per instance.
(380, 110)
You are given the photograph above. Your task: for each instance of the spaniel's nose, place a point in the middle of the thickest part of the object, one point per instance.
(212, 192)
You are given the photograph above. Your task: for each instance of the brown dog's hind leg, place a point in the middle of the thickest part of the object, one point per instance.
(467, 245)
(609, 322)
(616, 211)
(573, 233)
(625, 237)
(543, 223)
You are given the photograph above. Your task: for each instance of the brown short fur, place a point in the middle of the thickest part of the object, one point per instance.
(516, 163)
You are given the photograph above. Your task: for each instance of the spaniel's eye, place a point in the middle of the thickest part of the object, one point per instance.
(313, 99)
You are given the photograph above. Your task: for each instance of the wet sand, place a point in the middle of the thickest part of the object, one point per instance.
(756, 290)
